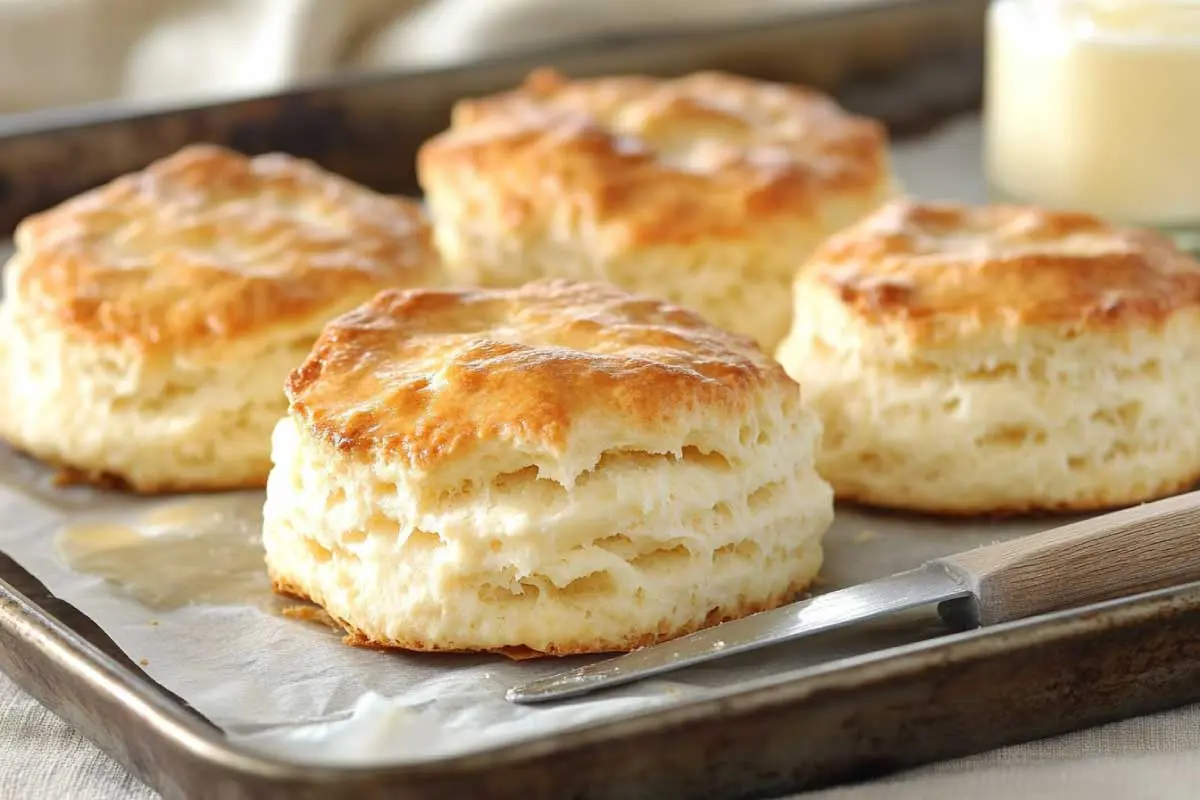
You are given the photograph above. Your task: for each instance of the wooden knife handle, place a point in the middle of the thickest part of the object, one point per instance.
(1135, 550)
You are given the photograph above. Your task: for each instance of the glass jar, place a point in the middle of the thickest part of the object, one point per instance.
(1094, 105)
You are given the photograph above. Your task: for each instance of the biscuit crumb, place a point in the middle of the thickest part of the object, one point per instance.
(145, 662)
(520, 653)
(66, 477)
(863, 536)
(310, 614)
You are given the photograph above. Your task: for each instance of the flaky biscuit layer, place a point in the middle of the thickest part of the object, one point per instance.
(1000, 360)
(147, 326)
(563, 468)
(707, 190)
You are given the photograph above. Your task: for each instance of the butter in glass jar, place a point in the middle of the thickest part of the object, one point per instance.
(1094, 105)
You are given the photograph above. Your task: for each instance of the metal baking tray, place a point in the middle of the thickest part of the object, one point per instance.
(912, 63)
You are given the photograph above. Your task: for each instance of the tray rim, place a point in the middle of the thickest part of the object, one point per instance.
(42, 121)
(24, 618)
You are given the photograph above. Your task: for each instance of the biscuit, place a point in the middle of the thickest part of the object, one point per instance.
(708, 191)
(1000, 360)
(147, 326)
(562, 468)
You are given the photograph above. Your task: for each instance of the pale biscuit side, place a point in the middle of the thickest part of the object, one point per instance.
(1000, 360)
(562, 467)
(708, 190)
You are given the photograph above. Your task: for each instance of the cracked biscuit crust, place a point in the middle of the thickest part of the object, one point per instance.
(710, 155)
(209, 246)
(423, 376)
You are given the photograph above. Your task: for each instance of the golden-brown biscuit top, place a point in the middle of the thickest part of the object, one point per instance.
(208, 246)
(706, 155)
(946, 270)
(424, 375)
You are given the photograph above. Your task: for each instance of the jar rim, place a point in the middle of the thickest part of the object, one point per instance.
(1117, 21)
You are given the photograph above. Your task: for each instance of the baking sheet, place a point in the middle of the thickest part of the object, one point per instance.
(290, 687)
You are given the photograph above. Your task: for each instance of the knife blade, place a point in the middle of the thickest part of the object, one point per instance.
(1134, 550)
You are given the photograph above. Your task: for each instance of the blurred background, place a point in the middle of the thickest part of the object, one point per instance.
(56, 53)
(913, 64)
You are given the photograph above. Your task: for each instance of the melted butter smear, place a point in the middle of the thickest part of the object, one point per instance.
(192, 552)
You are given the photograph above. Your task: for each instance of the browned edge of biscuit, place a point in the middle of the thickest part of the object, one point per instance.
(68, 475)
(1031, 509)
(356, 637)
(308, 612)
(1028, 281)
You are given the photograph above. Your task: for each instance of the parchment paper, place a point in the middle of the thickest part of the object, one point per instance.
(283, 684)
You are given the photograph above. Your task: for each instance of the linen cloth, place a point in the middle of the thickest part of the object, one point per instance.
(1155, 757)
(62, 52)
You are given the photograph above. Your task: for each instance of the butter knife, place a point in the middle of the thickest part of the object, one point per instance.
(1137, 549)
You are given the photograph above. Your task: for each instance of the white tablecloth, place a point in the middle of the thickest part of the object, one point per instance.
(1154, 757)
(55, 52)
